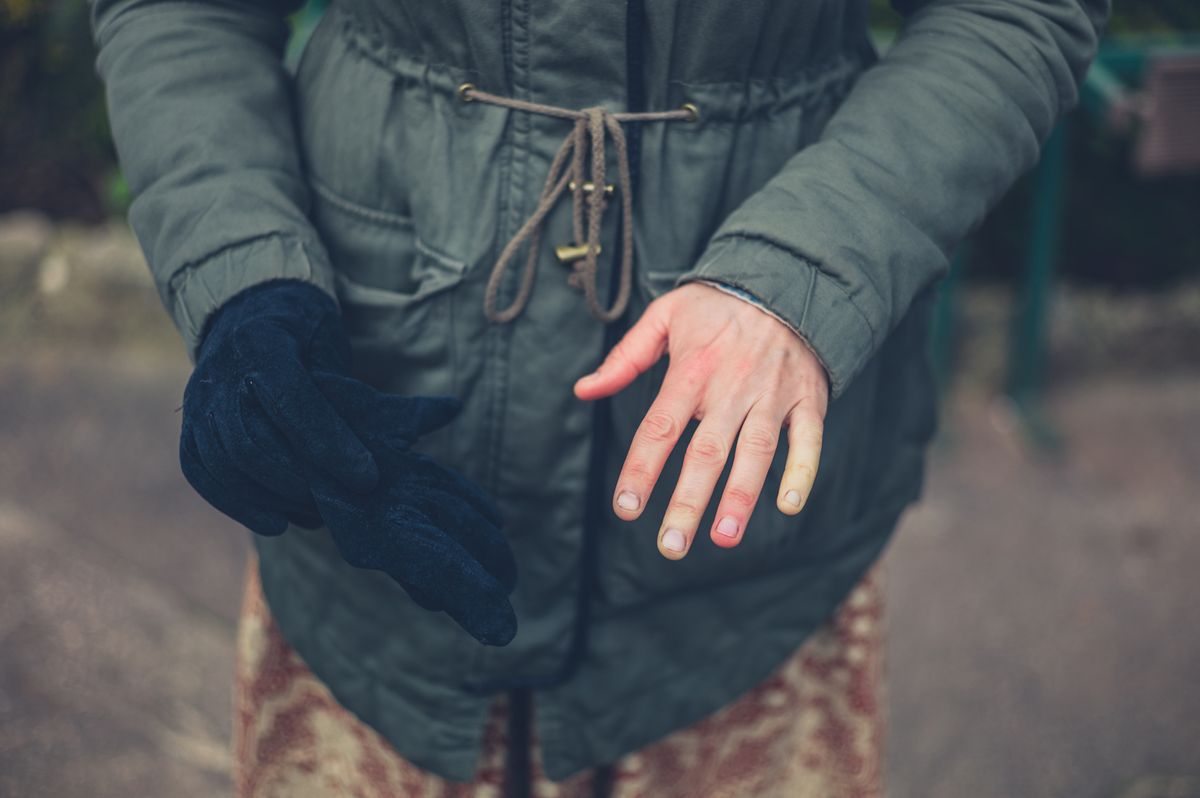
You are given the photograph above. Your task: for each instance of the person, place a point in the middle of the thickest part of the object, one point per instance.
(605, 491)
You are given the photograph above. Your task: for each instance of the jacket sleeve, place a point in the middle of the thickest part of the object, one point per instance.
(201, 113)
(853, 227)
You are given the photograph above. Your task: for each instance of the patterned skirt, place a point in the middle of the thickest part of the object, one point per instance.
(813, 728)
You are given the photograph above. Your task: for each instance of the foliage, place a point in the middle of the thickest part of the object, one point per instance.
(57, 154)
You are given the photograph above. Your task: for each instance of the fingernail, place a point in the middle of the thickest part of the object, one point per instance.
(673, 540)
(628, 501)
(728, 527)
(792, 497)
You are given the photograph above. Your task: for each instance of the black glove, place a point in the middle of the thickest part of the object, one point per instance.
(266, 440)
(254, 423)
(426, 526)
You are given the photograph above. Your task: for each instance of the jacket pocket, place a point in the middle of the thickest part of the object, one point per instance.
(397, 294)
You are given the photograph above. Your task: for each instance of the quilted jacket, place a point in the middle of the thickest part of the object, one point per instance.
(827, 182)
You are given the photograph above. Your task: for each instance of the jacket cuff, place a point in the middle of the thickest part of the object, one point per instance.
(195, 292)
(816, 306)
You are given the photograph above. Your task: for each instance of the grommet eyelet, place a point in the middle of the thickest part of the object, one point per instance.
(462, 92)
(693, 110)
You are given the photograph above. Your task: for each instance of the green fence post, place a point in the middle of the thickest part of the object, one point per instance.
(943, 342)
(1028, 349)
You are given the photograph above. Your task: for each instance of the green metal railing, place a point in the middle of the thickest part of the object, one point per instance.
(1107, 96)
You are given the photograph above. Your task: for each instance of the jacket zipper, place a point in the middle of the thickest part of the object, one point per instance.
(594, 502)
(518, 781)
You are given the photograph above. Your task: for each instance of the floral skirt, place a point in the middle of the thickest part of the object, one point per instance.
(813, 728)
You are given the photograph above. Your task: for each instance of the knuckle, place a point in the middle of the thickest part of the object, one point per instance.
(809, 434)
(660, 426)
(759, 440)
(637, 472)
(805, 414)
(707, 449)
(621, 352)
(684, 507)
(740, 497)
(617, 354)
(801, 473)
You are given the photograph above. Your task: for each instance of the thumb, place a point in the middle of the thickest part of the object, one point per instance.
(639, 349)
(382, 415)
(420, 414)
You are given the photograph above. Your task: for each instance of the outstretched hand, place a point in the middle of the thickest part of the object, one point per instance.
(745, 375)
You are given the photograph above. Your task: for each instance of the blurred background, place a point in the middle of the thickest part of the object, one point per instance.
(1044, 616)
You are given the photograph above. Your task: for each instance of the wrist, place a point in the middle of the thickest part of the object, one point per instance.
(299, 306)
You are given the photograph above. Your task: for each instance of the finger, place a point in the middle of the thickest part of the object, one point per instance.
(306, 520)
(232, 476)
(806, 425)
(263, 522)
(437, 572)
(303, 414)
(757, 441)
(262, 451)
(653, 442)
(482, 539)
(703, 462)
(454, 482)
(369, 408)
(639, 349)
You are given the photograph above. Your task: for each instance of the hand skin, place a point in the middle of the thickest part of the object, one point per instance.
(744, 375)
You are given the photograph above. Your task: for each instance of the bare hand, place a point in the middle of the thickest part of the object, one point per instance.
(744, 375)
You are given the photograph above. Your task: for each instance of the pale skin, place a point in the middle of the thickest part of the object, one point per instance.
(748, 379)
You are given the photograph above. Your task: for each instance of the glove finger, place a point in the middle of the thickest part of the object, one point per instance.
(236, 480)
(306, 520)
(437, 569)
(377, 416)
(364, 541)
(425, 414)
(367, 538)
(436, 572)
(475, 533)
(262, 451)
(452, 481)
(260, 521)
(361, 539)
(303, 414)
(385, 416)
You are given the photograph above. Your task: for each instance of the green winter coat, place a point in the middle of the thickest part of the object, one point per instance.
(830, 185)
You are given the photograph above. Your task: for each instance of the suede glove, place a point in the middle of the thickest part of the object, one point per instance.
(426, 526)
(254, 423)
(275, 431)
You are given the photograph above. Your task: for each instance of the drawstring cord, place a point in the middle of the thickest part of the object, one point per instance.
(594, 123)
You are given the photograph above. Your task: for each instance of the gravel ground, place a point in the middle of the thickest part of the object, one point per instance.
(1042, 618)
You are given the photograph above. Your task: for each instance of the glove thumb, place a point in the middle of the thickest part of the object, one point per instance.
(385, 415)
